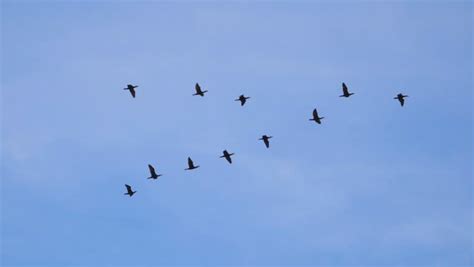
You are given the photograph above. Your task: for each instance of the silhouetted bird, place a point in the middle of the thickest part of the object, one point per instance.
(153, 174)
(400, 98)
(265, 140)
(242, 99)
(199, 91)
(191, 165)
(129, 190)
(131, 88)
(316, 117)
(227, 156)
(345, 91)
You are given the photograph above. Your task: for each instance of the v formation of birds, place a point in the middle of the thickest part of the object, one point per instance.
(226, 154)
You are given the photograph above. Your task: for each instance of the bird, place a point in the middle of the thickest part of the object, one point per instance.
(265, 140)
(129, 190)
(131, 88)
(227, 156)
(198, 90)
(316, 117)
(400, 98)
(153, 174)
(242, 99)
(191, 165)
(345, 91)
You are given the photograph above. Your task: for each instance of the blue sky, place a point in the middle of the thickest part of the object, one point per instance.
(375, 184)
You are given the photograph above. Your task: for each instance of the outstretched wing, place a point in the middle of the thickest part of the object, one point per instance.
(190, 162)
(129, 188)
(344, 89)
(198, 89)
(152, 170)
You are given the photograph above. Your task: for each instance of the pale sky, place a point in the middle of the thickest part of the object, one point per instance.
(375, 184)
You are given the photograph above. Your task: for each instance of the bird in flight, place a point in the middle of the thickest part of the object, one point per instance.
(191, 165)
(227, 156)
(400, 98)
(153, 174)
(198, 90)
(131, 88)
(345, 91)
(316, 117)
(265, 140)
(129, 190)
(242, 99)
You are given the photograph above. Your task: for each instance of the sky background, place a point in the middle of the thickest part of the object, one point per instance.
(375, 184)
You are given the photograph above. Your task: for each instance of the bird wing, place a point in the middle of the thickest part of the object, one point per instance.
(132, 91)
(344, 89)
(190, 162)
(198, 88)
(152, 170)
(129, 188)
(315, 114)
(267, 143)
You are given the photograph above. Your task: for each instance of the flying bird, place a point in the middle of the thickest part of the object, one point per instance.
(131, 88)
(242, 99)
(153, 174)
(316, 117)
(129, 190)
(265, 140)
(400, 98)
(227, 156)
(345, 91)
(198, 90)
(191, 165)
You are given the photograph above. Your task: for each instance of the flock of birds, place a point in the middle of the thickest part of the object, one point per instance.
(225, 154)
